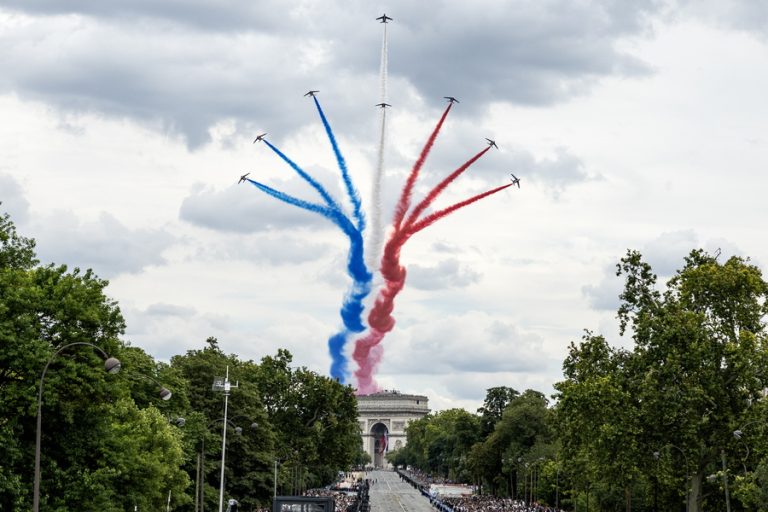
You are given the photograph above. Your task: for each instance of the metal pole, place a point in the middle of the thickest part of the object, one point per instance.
(725, 482)
(202, 475)
(274, 493)
(197, 485)
(224, 442)
(38, 433)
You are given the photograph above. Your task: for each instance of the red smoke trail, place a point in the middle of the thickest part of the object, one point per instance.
(434, 217)
(424, 204)
(368, 351)
(405, 198)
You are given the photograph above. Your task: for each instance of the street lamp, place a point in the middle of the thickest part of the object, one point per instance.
(165, 393)
(738, 434)
(224, 385)
(199, 489)
(725, 482)
(111, 365)
(657, 455)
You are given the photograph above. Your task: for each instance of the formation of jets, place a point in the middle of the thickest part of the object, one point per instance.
(451, 99)
(383, 105)
(243, 178)
(492, 143)
(311, 93)
(515, 180)
(384, 18)
(259, 138)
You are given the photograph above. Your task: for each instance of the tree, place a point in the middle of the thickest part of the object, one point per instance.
(315, 419)
(496, 400)
(597, 417)
(249, 458)
(697, 368)
(140, 462)
(43, 308)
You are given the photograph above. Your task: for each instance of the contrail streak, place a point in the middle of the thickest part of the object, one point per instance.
(354, 197)
(377, 229)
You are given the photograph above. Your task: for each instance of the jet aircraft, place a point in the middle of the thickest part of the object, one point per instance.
(492, 143)
(451, 99)
(384, 18)
(515, 180)
(383, 105)
(259, 138)
(311, 93)
(243, 178)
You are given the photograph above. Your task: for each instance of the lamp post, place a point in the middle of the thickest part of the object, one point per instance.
(199, 491)
(224, 385)
(111, 365)
(165, 393)
(657, 455)
(738, 434)
(725, 482)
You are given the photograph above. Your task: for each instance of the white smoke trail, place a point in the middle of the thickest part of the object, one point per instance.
(377, 230)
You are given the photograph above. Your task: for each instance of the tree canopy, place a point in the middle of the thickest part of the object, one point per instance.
(109, 442)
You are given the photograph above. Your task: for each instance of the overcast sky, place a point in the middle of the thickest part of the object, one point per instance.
(633, 125)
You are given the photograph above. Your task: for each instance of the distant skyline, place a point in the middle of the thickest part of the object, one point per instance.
(635, 125)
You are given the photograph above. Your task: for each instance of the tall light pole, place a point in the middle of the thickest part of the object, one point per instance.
(225, 386)
(111, 365)
(199, 491)
(725, 482)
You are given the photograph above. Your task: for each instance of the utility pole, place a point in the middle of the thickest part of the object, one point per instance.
(224, 385)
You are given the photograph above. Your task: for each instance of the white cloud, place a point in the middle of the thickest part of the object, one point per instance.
(447, 273)
(104, 245)
(12, 200)
(631, 125)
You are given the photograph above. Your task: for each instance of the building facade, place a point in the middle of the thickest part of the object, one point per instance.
(382, 417)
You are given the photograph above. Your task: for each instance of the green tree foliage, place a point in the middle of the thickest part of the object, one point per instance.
(109, 441)
(598, 417)
(697, 371)
(141, 459)
(305, 422)
(439, 443)
(249, 456)
(521, 437)
(43, 308)
(496, 400)
(315, 418)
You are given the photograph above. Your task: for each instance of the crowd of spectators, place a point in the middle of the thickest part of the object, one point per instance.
(473, 503)
(352, 498)
(484, 503)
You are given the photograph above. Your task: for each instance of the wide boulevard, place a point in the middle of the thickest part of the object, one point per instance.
(391, 494)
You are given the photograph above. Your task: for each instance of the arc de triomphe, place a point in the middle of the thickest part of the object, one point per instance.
(383, 417)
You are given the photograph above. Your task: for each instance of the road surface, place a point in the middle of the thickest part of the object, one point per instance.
(390, 494)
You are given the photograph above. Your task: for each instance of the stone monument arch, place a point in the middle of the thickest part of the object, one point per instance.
(382, 417)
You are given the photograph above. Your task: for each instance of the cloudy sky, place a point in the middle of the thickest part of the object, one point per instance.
(637, 125)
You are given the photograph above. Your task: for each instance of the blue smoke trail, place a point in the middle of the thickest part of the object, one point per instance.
(354, 197)
(352, 306)
(317, 186)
